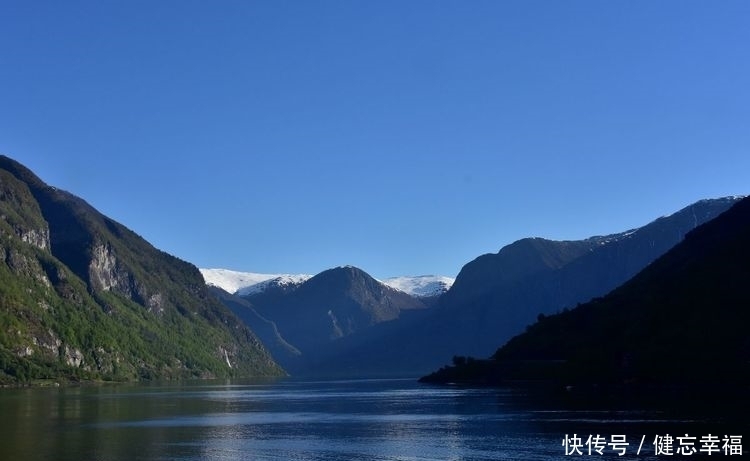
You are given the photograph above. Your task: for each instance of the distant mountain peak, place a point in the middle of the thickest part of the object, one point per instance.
(349, 270)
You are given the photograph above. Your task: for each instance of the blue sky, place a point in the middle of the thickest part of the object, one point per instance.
(403, 137)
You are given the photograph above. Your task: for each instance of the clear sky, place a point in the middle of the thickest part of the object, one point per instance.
(403, 137)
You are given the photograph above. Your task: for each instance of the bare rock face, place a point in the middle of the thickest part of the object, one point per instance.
(103, 271)
(106, 273)
(156, 303)
(73, 357)
(37, 237)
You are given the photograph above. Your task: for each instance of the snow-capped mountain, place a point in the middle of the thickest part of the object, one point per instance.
(327, 313)
(421, 286)
(248, 282)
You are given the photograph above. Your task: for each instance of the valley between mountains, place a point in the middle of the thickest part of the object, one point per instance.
(84, 298)
(343, 322)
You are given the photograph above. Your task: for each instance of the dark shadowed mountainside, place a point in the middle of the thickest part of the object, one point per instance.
(537, 276)
(681, 322)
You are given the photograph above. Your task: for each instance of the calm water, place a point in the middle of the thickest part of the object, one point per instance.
(322, 420)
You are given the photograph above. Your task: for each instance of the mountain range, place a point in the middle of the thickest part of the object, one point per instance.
(493, 298)
(84, 297)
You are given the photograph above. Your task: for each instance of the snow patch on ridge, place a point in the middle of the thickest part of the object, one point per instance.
(236, 281)
(421, 286)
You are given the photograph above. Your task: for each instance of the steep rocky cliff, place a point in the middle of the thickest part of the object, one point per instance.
(83, 297)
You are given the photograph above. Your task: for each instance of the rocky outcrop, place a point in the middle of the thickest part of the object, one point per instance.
(105, 273)
(37, 237)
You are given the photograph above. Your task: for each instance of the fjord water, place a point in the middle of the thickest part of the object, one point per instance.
(310, 420)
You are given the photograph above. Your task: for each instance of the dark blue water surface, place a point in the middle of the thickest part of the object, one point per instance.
(321, 420)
